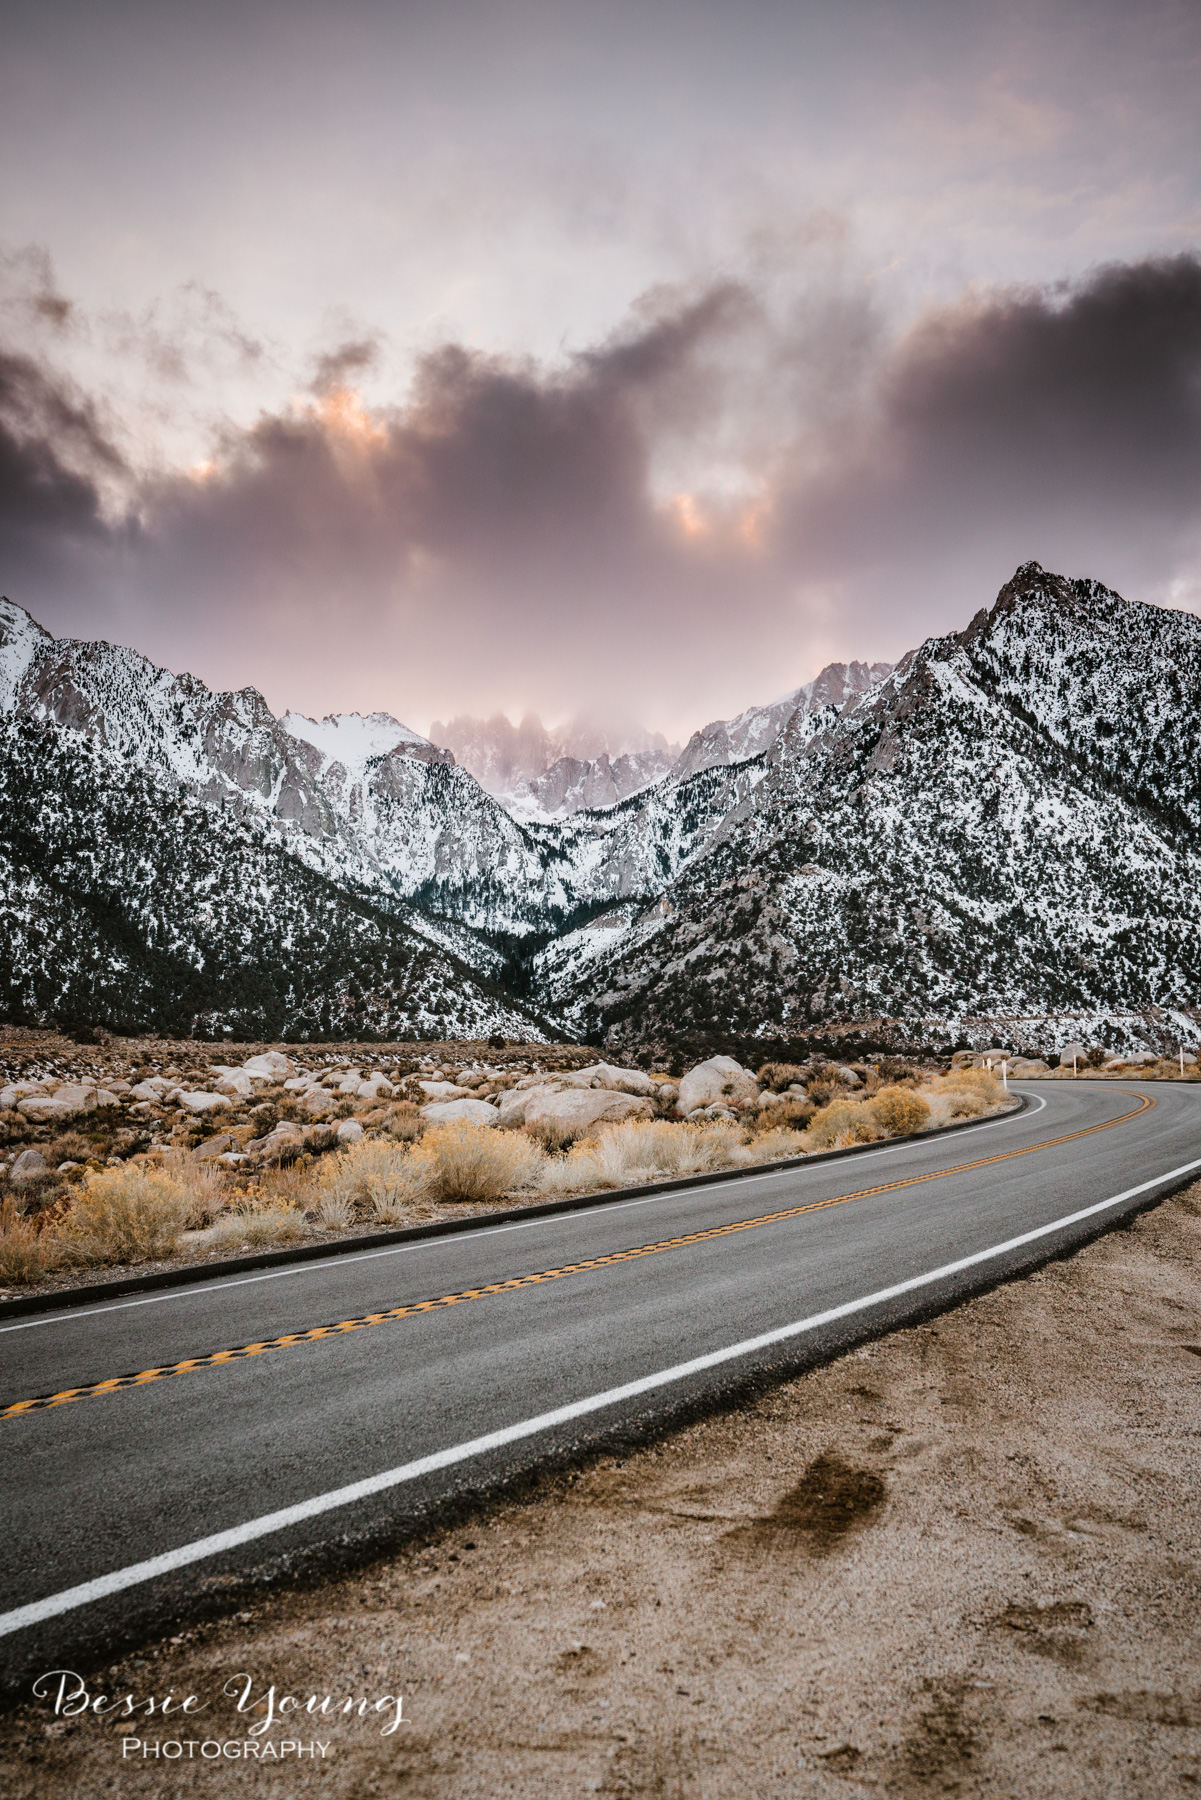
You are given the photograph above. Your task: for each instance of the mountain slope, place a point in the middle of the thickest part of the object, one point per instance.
(1005, 825)
(126, 899)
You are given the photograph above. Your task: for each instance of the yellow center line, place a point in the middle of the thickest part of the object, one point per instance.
(114, 1384)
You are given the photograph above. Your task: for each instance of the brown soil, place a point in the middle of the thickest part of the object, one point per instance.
(961, 1560)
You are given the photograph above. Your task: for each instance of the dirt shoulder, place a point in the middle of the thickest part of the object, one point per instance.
(962, 1560)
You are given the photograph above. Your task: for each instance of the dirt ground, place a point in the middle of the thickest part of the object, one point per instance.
(962, 1560)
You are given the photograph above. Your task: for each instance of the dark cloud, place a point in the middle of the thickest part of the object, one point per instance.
(342, 367)
(52, 451)
(509, 537)
(1068, 418)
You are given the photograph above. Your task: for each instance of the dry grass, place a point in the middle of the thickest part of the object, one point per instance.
(126, 1215)
(461, 1161)
(968, 1093)
(25, 1254)
(205, 1188)
(377, 1178)
(254, 1225)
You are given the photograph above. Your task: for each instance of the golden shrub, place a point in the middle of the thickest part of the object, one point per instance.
(840, 1124)
(899, 1111)
(25, 1255)
(126, 1215)
(462, 1161)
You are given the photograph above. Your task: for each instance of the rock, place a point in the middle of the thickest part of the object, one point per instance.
(445, 1112)
(104, 1097)
(511, 1110)
(720, 1078)
(667, 1093)
(64, 1168)
(1029, 1066)
(272, 1065)
(237, 1084)
(16, 1091)
(118, 1087)
(318, 1103)
(471, 1078)
(43, 1110)
(349, 1132)
(1074, 1049)
(77, 1096)
(233, 1157)
(574, 1111)
(704, 1115)
(769, 1099)
(613, 1079)
(847, 1076)
(201, 1102)
(375, 1086)
(150, 1090)
(444, 1090)
(213, 1147)
(296, 1084)
(30, 1162)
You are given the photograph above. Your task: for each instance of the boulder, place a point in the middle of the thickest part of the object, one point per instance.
(118, 1087)
(1074, 1049)
(847, 1076)
(30, 1162)
(67, 1100)
(318, 1103)
(574, 1111)
(445, 1112)
(152, 1089)
(718, 1079)
(511, 1111)
(200, 1102)
(16, 1091)
(237, 1085)
(272, 1065)
(375, 1087)
(78, 1096)
(104, 1097)
(214, 1147)
(444, 1090)
(350, 1132)
(615, 1080)
(296, 1084)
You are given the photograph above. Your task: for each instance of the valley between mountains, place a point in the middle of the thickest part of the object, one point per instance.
(1000, 835)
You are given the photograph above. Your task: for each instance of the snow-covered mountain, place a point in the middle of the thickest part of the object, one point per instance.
(1006, 824)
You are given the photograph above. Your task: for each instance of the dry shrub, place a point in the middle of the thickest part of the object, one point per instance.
(204, 1189)
(405, 1121)
(126, 1215)
(840, 1124)
(71, 1146)
(25, 1254)
(793, 1113)
(373, 1177)
(255, 1224)
(900, 1111)
(778, 1142)
(969, 1092)
(639, 1150)
(461, 1161)
(777, 1076)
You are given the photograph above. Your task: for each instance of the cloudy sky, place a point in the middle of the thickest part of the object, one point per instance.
(632, 358)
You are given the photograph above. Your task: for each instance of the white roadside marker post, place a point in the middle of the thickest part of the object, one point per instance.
(1005, 1072)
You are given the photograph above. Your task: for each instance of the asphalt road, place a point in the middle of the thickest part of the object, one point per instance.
(124, 1511)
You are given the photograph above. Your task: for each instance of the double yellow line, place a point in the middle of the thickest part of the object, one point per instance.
(217, 1358)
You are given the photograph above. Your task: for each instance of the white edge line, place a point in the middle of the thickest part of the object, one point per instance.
(336, 1262)
(104, 1585)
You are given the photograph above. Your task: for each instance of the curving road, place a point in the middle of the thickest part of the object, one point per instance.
(420, 1373)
